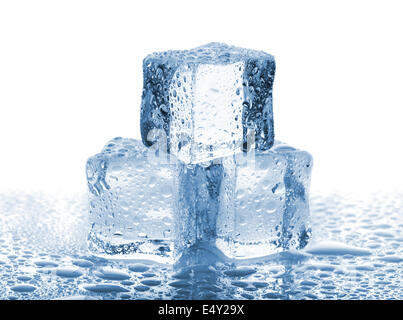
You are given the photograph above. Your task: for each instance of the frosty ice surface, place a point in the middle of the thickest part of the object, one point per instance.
(131, 202)
(207, 100)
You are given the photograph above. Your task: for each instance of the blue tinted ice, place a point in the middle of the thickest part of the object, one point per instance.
(271, 204)
(207, 100)
(205, 196)
(131, 202)
(247, 206)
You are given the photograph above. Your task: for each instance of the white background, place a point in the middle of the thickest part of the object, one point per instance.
(71, 79)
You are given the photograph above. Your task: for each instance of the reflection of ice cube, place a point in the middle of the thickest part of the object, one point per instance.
(131, 211)
(207, 99)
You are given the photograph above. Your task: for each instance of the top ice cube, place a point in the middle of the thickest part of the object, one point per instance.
(209, 101)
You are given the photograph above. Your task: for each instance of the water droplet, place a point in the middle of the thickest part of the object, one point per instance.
(23, 288)
(105, 288)
(68, 272)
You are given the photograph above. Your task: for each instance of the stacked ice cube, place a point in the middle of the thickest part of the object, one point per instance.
(208, 171)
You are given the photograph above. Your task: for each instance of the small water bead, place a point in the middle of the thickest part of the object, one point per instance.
(364, 268)
(127, 283)
(83, 263)
(151, 282)
(141, 288)
(46, 264)
(392, 259)
(260, 284)
(336, 248)
(105, 288)
(241, 272)
(383, 234)
(241, 284)
(250, 289)
(148, 275)
(138, 268)
(179, 284)
(23, 288)
(68, 273)
(273, 295)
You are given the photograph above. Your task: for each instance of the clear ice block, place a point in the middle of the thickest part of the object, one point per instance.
(131, 202)
(270, 212)
(207, 100)
(247, 206)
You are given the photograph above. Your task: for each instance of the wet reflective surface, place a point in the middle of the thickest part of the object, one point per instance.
(356, 253)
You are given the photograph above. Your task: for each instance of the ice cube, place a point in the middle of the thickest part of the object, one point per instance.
(131, 202)
(208, 100)
(247, 206)
(271, 204)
